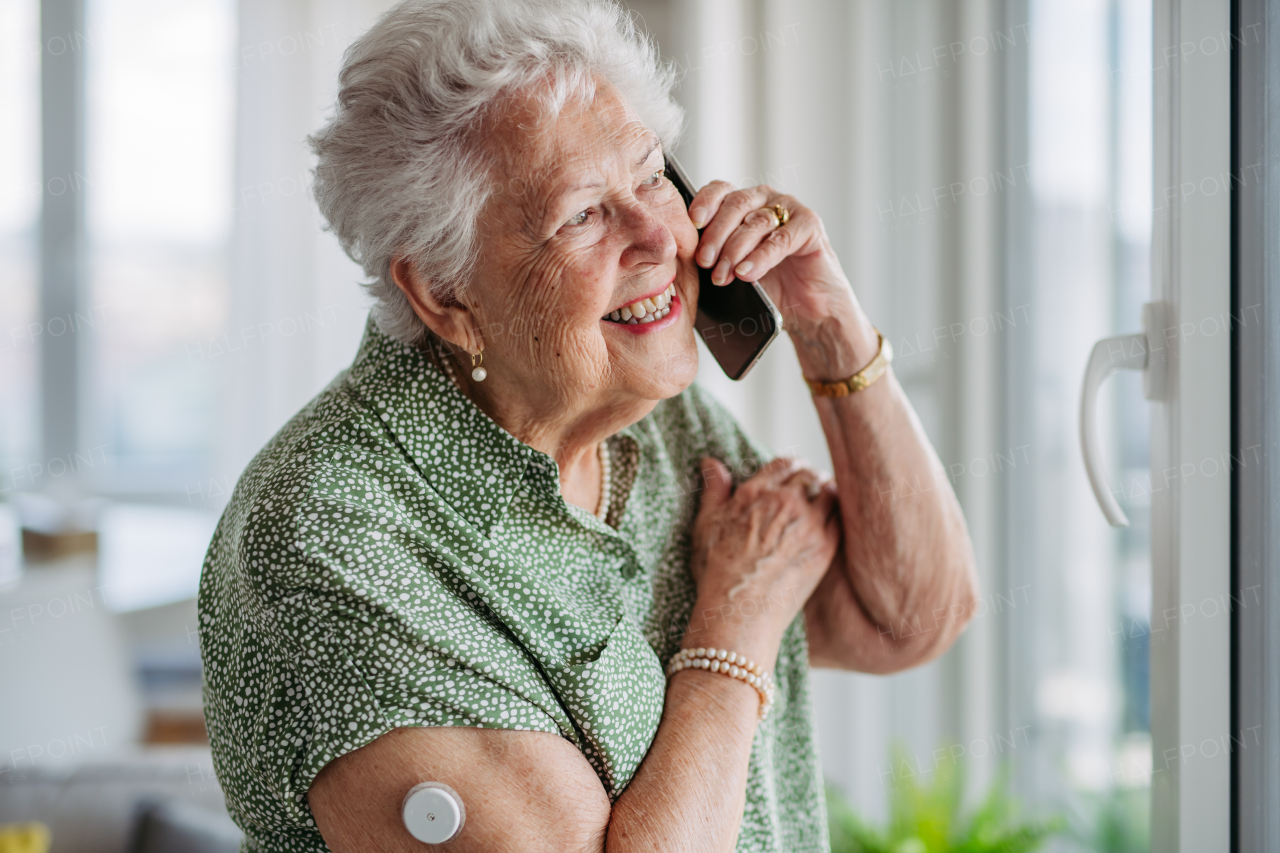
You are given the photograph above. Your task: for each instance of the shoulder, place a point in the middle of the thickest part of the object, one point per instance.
(331, 470)
(333, 428)
(332, 433)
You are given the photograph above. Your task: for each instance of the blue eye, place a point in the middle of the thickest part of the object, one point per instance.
(578, 218)
(656, 177)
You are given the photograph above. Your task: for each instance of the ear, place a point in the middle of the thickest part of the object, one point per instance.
(453, 321)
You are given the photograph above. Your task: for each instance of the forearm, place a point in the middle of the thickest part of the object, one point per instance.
(759, 549)
(907, 555)
(688, 795)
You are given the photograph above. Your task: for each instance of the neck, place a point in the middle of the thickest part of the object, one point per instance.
(567, 432)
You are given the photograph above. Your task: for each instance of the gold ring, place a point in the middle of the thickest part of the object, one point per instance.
(780, 214)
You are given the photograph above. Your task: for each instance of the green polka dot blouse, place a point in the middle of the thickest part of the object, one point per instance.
(395, 558)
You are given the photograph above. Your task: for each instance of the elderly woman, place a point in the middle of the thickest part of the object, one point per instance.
(510, 547)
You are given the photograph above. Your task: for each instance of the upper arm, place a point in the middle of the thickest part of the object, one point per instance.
(522, 791)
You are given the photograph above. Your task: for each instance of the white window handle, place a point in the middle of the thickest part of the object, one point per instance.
(1124, 352)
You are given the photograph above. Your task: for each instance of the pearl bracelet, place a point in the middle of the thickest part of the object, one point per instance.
(727, 663)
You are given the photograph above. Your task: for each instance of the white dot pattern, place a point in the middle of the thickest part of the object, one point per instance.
(394, 558)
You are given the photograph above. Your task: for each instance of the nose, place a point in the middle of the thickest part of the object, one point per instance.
(650, 241)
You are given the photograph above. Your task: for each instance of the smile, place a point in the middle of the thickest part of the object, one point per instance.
(646, 310)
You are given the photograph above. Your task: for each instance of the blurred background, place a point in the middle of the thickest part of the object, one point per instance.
(168, 299)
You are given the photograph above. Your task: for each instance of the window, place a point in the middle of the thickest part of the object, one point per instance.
(19, 219)
(160, 138)
(1079, 665)
(985, 174)
(156, 189)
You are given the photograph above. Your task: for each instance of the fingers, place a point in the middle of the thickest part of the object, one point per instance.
(758, 225)
(743, 239)
(728, 214)
(772, 475)
(811, 481)
(829, 488)
(813, 526)
(779, 529)
(828, 503)
(833, 531)
(717, 484)
(707, 202)
(813, 489)
(807, 479)
(751, 260)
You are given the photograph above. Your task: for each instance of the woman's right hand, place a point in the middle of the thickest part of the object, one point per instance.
(758, 553)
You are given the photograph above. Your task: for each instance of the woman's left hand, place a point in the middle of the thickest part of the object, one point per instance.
(793, 262)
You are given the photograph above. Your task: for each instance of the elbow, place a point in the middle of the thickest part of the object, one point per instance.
(965, 596)
(955, 599)
(925, 636)
(913, 597)
(959, 602)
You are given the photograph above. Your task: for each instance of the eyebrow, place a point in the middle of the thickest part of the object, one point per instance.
(649, 153)
(593, 184)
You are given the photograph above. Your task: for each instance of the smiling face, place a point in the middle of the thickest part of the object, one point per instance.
(585, 291)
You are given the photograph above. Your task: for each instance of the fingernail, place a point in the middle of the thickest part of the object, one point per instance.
(706, 256)
(744, 268)
(696, 216)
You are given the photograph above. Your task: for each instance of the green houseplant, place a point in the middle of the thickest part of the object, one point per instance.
(926, 817)
(1114, 821)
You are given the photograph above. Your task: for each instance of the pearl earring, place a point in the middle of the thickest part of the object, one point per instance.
(478, 373)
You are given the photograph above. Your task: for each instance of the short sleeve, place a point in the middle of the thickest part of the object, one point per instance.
(356, 622)
(357, 676)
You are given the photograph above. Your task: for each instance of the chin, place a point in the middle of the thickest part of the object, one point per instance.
(655, 366)
(674, 373)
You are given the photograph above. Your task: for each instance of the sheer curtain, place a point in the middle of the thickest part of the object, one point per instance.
(297, 310)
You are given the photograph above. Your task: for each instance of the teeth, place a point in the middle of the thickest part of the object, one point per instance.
(646, 310)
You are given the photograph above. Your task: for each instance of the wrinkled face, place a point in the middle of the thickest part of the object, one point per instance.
(586, 289)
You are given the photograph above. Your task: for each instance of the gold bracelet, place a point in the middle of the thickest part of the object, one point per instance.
(727, 663)
(864, 378)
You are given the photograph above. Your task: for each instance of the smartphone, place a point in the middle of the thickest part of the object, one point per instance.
(737, 321)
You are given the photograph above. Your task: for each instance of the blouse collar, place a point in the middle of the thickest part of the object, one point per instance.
(428, 418)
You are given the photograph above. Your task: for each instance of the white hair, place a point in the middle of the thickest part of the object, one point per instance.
(401, 171)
